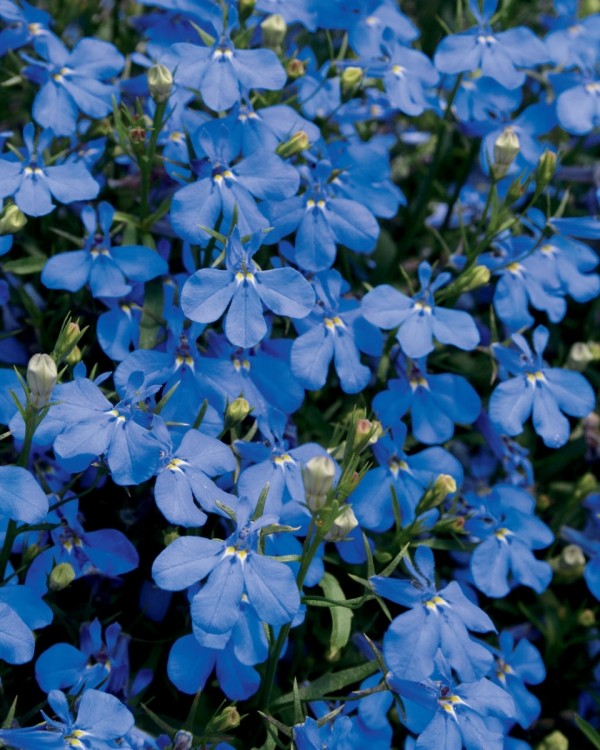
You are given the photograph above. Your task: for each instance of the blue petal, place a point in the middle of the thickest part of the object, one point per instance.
(206, 294)
(245, 325)
(311, 355)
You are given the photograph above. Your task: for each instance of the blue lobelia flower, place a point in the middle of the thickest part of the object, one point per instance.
(242, 290)
(101, 552)
(21, 611)
(23, 23)
(336, 733)
(101, 663)
(497, 54)
(101, 721)
(455, 716)
(405, 476)
(589, 541)
(548, 392)
(72, 82)
(224, 189)
(93, 427)
(334, 330)
(106, 268)
(322, 217)
(578, 106)
(366, 31)
(419, 318)
(222, 73)
(508, 530)
(33, 185)
(183, 489)
(514, 667)
(436, 402)
(234, 568)
(437, 619)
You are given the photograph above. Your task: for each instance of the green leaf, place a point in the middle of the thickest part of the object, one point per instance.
(341, 617)
(330, 683)
(24, 266)
(589, 731)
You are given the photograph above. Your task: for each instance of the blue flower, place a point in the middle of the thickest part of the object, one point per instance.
(23, 23)
(406, 476)
(234, 568)
(104, 267)
(222, 186)
(72, 81)
(33, 185)
(548, 392)
(508, 531)
(21, 497)
(437, 619)
(101, 719)
(497, 54)
(242, 290)
(21, 611)
(435, 402)
(578, 107)
(334, 330)
(101, 663)
(420, 319)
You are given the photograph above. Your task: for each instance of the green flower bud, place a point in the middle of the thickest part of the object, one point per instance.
(367, 432)
(318, 476)
(342, 525)
(554, 741)
(237, 411)
(68, 338)
(170, 536)
(160, 83)
(582, 353)
(245, 8)
(61, 576)
(350, 81)
(294, 145)
(74, 356)
(274, 29)
(545, 169)
(12, 219)
(443, 486)
(472, 278)
(295, 68)
(506, 149)
(586, 618)
(41, 379)
(228, 719)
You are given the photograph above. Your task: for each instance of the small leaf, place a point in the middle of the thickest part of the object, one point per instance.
(589, 731)
(341, 617)
(25, 266)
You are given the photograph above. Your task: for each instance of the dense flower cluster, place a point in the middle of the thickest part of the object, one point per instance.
(295, 276)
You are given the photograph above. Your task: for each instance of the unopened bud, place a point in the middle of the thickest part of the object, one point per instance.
(30, 553)
(61, 576)
(367, 432)
(506, 149)
(170, 536)
(12, 219)
(295, 68)
(545, 169)
(350, 81)
(582, 354)
(68, 338)
(342, 525)
(237, 411)
(274, 29)
(554, 741)
(160, 83)
(41, 379)
(571, 559)
(245, 8)
(137, 134)
(516, 190)
(473, 278)
(586, 618)
(74, 356)
(183, 740)
(228, 719)
(318, 475)
(443, 486)
(294, 145)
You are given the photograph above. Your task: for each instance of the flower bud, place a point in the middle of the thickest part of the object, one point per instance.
(443, 486)
(473, 278)
(183, 740)
(68, 338)
(61, 576)
(160, 83)
(74, 356)
(366, 433)
(318, 476)
(342, 525)
(350, 81)
(228, 719)
(586, 618)
(12, 219)
(571, 559)
(295, 69)
(41, 379)
(581, 354)
(294, 145)
(245, 8)
(506, 149)
(237, 411)
(545, 169)
(170, 536)
(554, 741)
(274, 29)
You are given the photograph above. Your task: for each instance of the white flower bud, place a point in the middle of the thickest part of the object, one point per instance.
(41, 379)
